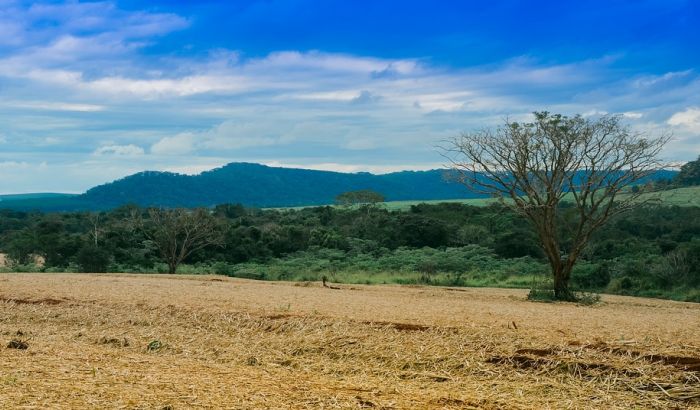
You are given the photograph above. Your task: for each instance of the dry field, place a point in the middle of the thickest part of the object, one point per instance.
(179, 342)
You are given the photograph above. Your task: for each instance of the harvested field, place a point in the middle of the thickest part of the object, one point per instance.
(176, 342)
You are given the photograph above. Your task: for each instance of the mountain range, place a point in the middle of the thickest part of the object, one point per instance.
(252, 185)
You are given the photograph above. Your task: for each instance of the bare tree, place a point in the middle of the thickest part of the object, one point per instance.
(177, 233)
(95, 231)
(534, 166)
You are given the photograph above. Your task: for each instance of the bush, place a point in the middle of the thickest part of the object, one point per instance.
(541, 290)
(93, 259)
(223, 268)
(590, 276)
(621, 285)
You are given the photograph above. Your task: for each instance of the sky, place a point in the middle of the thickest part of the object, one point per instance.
(94, 91)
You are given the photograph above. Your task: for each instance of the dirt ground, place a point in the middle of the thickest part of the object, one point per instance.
(180, 342)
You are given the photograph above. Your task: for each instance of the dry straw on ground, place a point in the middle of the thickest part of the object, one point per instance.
(155, 342)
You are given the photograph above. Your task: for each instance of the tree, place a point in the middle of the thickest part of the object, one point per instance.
(534, 166)
(92, 258)
(95, 231)
(365, 196)
(20, 247)
(689, 174)
(177, 233)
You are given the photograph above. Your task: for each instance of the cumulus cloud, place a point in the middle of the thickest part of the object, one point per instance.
(226, 136)
(688, 118)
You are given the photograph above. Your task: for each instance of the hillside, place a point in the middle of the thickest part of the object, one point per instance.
(252, 185)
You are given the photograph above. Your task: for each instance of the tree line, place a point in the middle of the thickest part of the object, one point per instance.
(650, 249)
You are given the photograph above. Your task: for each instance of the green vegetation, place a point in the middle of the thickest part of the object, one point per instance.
(364, 196)
(685, 196)
(689, 174)
(406, 205)
(652, 251)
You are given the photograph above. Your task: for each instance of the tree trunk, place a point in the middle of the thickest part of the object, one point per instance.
(172, 268)
(561, 269)
(562, 273)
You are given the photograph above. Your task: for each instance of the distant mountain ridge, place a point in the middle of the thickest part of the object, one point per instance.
(252, 185)
(263, 186)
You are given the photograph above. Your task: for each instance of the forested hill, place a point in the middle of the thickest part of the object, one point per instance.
(263, 186)
(252, 185)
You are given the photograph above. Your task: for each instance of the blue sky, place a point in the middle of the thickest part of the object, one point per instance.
(93, 91)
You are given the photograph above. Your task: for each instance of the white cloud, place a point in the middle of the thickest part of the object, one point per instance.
(56, 106)
(594, 113)
(445, 101)
(332, 62)
(226, 136)
(663, 79)
(688, 118)
(104, 16)
(632, 115)
(179, 144)
(5, 165)
(121, 150)
(233, 135)
(153, 88)
(337, 95)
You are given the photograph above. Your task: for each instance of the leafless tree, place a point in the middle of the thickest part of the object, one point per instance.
(95, 228)
(534, 166)
(177, 233)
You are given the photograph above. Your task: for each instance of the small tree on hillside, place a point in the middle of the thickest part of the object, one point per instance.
(536, 165)
(177, 233)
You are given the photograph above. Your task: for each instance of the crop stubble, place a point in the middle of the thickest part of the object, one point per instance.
(229, 343)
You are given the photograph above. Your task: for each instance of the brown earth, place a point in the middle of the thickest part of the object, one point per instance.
(176, 342)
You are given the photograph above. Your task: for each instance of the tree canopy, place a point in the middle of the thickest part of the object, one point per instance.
(365, 196)
(689, 174)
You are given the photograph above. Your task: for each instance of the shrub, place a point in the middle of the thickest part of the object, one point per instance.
(93, 259)
(590, 276)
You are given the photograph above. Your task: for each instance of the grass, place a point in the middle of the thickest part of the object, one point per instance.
(231, 343)
(687, 196)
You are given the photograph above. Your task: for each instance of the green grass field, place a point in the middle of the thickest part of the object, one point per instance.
(688, 196)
